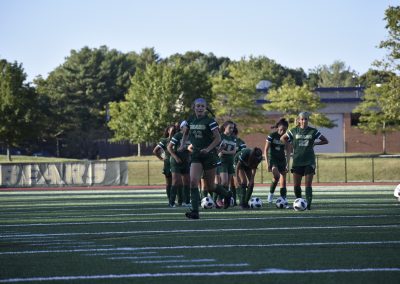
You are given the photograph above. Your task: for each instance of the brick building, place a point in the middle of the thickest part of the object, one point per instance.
(346, 137)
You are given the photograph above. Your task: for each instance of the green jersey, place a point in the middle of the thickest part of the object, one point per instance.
(163, 144)
(303, 145)
(200, 132)
(229, 144)
(276, 150)
(176, 141)
(240, 144)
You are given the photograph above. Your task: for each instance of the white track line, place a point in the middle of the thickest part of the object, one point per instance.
(136, 249)
(267, 271)
(202, 220)
(208, 265)
(145, 257)
(196, 260)
(16, 236)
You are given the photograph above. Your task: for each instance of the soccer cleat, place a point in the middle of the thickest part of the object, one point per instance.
(219, 203)
(192, 215)
(172, 205)
(270, 197)
(245, 206)
(227, 200)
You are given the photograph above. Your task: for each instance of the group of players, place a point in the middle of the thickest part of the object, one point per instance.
(202, 155)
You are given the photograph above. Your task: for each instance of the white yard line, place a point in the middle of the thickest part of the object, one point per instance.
(208, 265)
(136, 249)
(201, 220)
(41, 235)
(267, 271)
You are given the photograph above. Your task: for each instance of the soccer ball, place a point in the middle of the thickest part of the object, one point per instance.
(281, 203)
(396, 192)
(207, 203)
(255, 202)
(299, 204)
(231, 203)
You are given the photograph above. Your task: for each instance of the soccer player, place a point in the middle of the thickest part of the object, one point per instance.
(180, 165)
(246, 162)
(240, 145)
(277, 156)
(303, 139)
(161, 148)
(204, 135)
(227, 153)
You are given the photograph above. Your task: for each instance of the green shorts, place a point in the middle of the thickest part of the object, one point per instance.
(281, 166)
(167, 168)
(180, 168)
(227, 168)
(304, 170)
(208, 161)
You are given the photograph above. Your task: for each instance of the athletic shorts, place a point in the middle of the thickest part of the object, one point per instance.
(281, 167)
(304, 170)
(180, 168)
(209, 161)
(226, 168)
(167, 168)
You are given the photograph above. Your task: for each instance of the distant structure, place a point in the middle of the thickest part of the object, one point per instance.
(346, 137)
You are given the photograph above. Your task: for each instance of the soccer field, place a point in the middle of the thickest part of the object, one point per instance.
(351, 235)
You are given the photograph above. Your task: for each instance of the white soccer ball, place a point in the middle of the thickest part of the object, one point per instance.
(299, 204)
(255, 203)
(207, 203)
(231, 202)
(281, 203)
(396, 192)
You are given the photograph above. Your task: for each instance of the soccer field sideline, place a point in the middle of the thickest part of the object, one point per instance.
(135, 238)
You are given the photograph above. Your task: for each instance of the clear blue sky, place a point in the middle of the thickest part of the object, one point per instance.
(295, 33)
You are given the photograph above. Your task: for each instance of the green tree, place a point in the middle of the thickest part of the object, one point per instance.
(159, 96)
(235, 93)
(335, 75)
(380, 107)
(373, 77)
(18, 106)
(291, 100)
(78, 92)
(392, 43)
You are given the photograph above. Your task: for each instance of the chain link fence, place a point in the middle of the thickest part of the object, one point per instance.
(329, 169)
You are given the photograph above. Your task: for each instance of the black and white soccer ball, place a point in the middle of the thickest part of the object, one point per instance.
(281, 203)
(299, 204)
(207, 203)
(396, 192)
(255, 203)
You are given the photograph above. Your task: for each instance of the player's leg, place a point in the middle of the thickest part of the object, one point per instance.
(175, 187)
(274, 183)
(196, 170)
(310, 171)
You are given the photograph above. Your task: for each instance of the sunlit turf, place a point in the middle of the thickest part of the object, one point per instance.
(352, 234)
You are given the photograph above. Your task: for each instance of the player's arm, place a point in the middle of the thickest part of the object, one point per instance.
(237, 173)
(157, 152)
(266, 155)
(322, 140)
(185, 136)
(284, 138)
(288, 151)
(216, 141)
(170, 149)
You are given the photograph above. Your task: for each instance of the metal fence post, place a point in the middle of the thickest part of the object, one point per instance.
(317, 169)
(373, 169)
(148, 172)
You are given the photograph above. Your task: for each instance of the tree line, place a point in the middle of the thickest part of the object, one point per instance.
(102, 92)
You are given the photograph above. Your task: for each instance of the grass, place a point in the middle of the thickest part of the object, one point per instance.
(131, 236)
